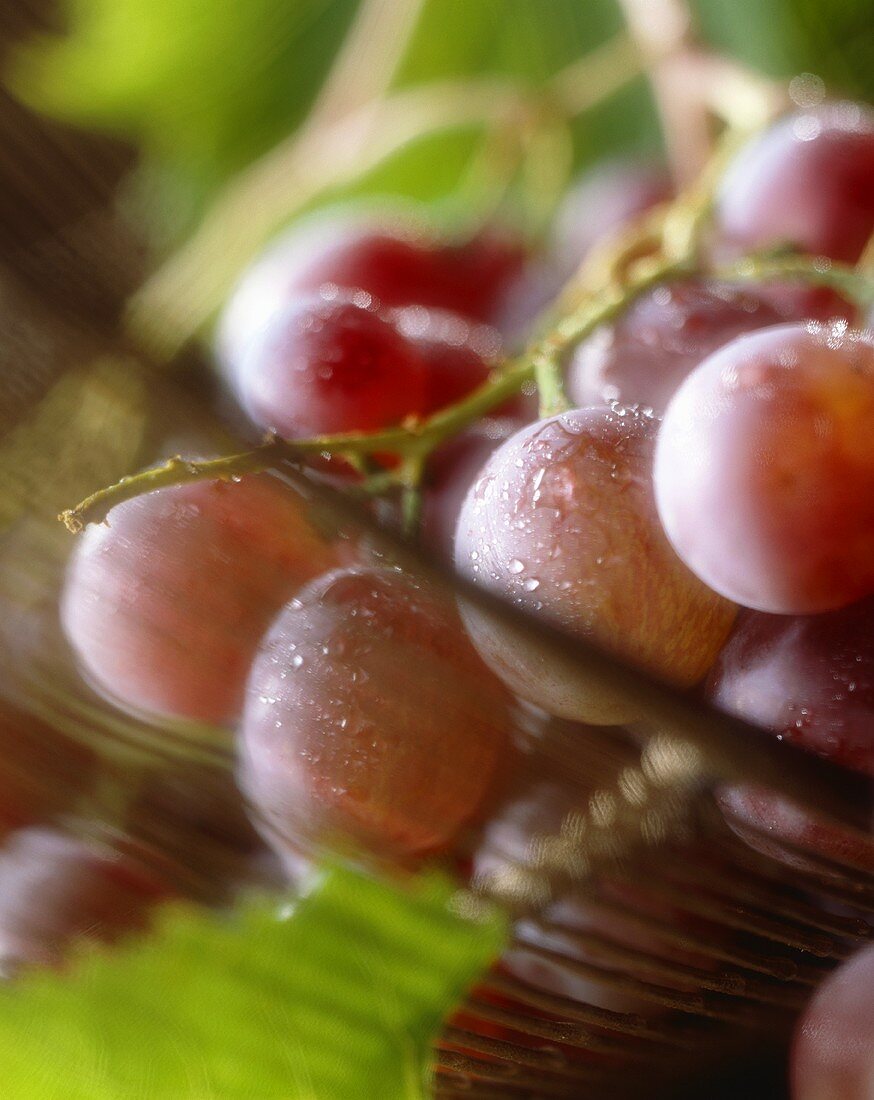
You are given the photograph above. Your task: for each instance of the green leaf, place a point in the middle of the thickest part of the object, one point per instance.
(336, 995)
(204, 86)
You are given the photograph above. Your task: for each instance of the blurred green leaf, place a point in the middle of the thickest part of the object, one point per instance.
(334, 997)
(832, 38)
(204, 85)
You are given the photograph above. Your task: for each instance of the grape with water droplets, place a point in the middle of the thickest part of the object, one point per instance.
(452, 469)
(562, 523)
(394, 260)
(810, 679)
(329, 365)
(642, 357)
(370, 717)
(764, 469)
(808, 181)
(165, 604)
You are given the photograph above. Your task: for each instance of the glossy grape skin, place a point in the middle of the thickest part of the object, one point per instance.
(833, 1050)
(329, 365)
(451, 471)
(56, 889)
(394, 259)
(459, 355)
(562, 524)
(808, 181)
(769, 822)
(642, 357)
(764, 469)
(165, 605)
(810, 679)
(603, 200)
(370, 718)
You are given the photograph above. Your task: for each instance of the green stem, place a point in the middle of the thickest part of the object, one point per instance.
(852, 283)
(550, 386)
(414, 440)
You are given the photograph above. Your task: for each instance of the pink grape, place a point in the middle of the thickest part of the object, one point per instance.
(605, 199)
(764, 469)
(370, 717)
(807, 181)
(165, 604)
(57, 889)
(329, 365)
(833, 1051)
(664, 334)
(562, 524)
(452, 469)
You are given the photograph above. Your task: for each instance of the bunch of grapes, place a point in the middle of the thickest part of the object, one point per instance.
(702, 507)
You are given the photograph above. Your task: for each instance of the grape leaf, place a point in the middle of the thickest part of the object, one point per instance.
(335, 995)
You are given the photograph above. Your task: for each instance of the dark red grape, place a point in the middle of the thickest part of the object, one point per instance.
(664, 334)
(764, 469)
(562, 523)
(769, 822)
(459, 356)
(57, 889)
(396, 261)
(807, 181)
(833, 1052)
(165, 603)
(369, 716)
(328, 365)
(809, 679)
(606, 198)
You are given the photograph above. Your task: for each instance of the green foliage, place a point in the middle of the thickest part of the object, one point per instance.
(334, 997)
(832, 38)
(205, 87)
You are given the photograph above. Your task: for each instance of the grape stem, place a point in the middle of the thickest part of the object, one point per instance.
(852, 283)
(415, 439)
(184, 294)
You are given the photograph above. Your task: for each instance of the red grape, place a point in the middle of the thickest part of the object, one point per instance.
(165, 604)
(395, 261)
(327, 365)
(807, 181)
(452, 469)
(369, 716)
(833, 1052)
(562, 523)
(764, 469)
(809, 679)
(643, 356)
(603, 200)
(767, 822)
(458, 354)
(57, 889)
